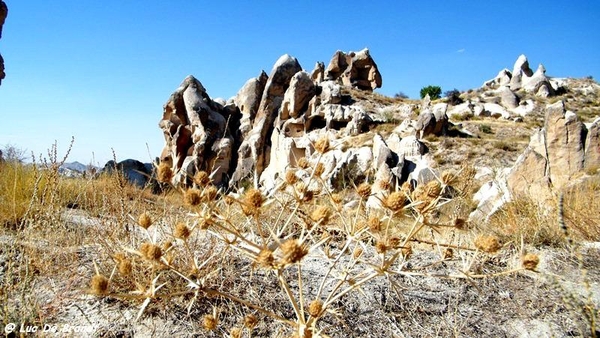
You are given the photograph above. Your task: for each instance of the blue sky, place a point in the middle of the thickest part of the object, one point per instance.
(101, 70)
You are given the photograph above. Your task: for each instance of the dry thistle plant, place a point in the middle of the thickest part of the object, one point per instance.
(285, 237)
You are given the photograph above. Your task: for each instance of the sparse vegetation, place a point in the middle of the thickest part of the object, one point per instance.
(485, 128)
(287, 263)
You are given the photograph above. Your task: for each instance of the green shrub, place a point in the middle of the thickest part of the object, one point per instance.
(434, 92)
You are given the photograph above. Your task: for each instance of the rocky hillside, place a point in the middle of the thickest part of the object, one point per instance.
(271, 128)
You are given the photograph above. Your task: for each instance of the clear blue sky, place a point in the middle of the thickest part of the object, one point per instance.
(101, 70)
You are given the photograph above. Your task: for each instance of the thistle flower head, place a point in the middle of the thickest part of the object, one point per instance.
(290, 177)
(364, 190)
(144, 220)
(395, 201)
(201, 178)
(192, 197)
(321, 214)
(150, 251)
(209, 322)
(205, 220)
(253, 200)
(374, 224)
(489, 244)
(322, 145)
(433, 188)
(384, 185)
(302, 163)
(336, 198)
(293, 251)
(165, 173)
(99, 285)
(530, 261)
(381, 247)
(358, 251)
(265, 258)
(181, 231)
(305, 195)
(209, 193)
(123, 264)
(315, 308)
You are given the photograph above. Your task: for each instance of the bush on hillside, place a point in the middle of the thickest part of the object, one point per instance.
(453, 97)
(434, 92)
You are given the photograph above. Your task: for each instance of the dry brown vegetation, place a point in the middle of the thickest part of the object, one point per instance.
(301, 262)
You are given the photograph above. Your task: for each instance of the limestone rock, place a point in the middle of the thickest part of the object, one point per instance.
(555, 155)
(337, 116)
(357, 70)
(300, 91)
(318, 74)
(331, 92)
(525, 108)
(432, 121)
(461, 111)
(508, 98)
(411, 147)
(393, 142)
(520, 70)
(425, 124)
(136, 172)
(528, 177)
(502, 79)
(194, 127)
(495, 110)
(564, 143)
(539, 83)
(592, 145)
(382, 154)
(253, 150)
(248, 100)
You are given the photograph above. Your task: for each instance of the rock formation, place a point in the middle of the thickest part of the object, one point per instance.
(354, 70)
(276, 120)
(3, 14)
(556, 154)
(254, 149)
(198, 133)
(136, 172)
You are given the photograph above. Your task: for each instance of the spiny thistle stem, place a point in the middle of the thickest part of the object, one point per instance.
(332, 265)
(288, 292)
(423, 241)
(301, 293)
(350, 288)
(275, 316)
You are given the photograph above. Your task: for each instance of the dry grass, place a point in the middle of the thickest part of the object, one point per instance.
(291, 263)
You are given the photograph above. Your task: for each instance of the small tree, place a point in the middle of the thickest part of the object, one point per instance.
(453, 96)
(434, 92)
